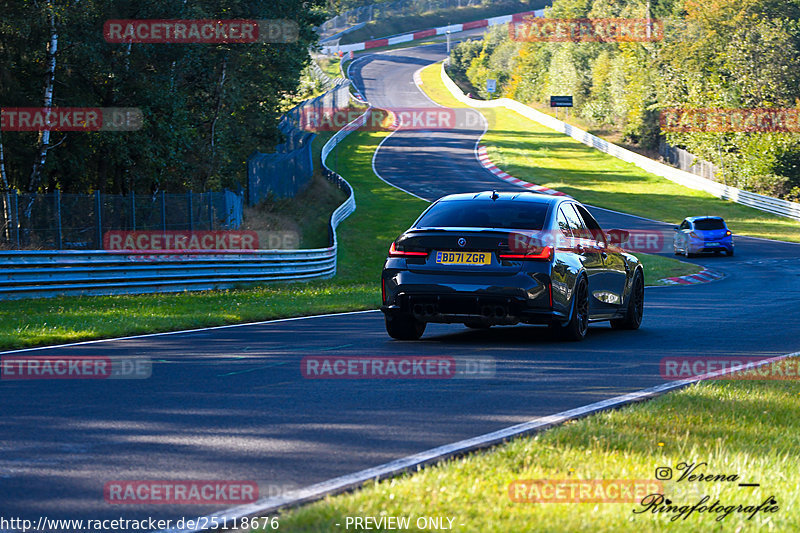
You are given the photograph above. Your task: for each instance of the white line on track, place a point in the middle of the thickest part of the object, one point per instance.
(375, 170)
(210, 328)
(269, 506)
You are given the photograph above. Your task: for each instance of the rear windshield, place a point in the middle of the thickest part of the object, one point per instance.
(709, 223)
(506, 214)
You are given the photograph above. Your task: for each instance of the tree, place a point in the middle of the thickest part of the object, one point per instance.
(205, 106)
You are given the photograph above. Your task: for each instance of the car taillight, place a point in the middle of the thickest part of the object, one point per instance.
(394, 251)
(728, 233)
(693, 235)
(383, 290)
(544, 253)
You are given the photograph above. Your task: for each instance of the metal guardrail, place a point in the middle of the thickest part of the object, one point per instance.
(40, 274)
(775, 206)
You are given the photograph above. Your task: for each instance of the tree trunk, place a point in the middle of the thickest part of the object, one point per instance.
(44, 136)
(6, 193)
(220, 91)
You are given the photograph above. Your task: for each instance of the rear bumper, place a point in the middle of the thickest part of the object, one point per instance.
(699, 247)
(524, 297)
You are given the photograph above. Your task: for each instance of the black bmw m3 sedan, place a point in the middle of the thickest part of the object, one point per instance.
(489, 258)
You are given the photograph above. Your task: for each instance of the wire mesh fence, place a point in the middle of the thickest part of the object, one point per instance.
(58, 221)
(687, 161)
(288, 171)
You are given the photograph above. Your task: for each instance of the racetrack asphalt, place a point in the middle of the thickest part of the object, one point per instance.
(231, 403)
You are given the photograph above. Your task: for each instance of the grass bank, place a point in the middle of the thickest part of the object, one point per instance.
(532, 152)
(744, 428)
(383, 212)
(434, 19)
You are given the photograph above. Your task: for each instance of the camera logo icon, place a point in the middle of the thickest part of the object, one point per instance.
(663, 473)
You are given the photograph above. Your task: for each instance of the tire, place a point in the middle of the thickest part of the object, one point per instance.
(635, 307)
(578, 325)
(729, 253)
(404, 328)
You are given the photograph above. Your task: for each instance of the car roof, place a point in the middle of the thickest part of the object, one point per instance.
(517, 196)
(705, 217)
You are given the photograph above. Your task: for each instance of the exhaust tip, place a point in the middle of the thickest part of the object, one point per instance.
(430, 309)
(500, 311)
(486, 311)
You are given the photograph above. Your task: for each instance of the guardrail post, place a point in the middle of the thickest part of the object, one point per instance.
(191, 217)
(163, 211)
(210, 215)
(98, 204)
(59, 235)
(16, 217)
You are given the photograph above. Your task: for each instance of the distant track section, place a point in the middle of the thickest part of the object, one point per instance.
(430, 32)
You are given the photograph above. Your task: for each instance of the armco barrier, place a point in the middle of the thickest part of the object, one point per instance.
(726, 192)
(39, 274)
(423, 34)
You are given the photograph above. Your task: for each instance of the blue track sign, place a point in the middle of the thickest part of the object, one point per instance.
(491, 85)
(560, 101)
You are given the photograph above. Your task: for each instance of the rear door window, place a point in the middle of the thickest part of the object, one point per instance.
(591, 223)
(575, 222)
(563, 225)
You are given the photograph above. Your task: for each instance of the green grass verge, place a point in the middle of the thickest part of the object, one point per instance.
(745, 428)
(67, 319)
(407, 24)
(532, 152)
(657, 268)
(382, 213)
(329, 65)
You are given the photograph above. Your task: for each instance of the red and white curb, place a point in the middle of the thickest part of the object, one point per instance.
(704, 276)
(423, 34)
(483, 157)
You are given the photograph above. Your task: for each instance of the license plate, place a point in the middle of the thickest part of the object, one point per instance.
(712, 244)
(463, 258)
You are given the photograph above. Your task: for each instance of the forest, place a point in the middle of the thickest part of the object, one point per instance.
(204, 106)
(713, 54)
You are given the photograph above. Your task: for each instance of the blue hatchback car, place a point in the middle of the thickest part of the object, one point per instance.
(702, 234)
